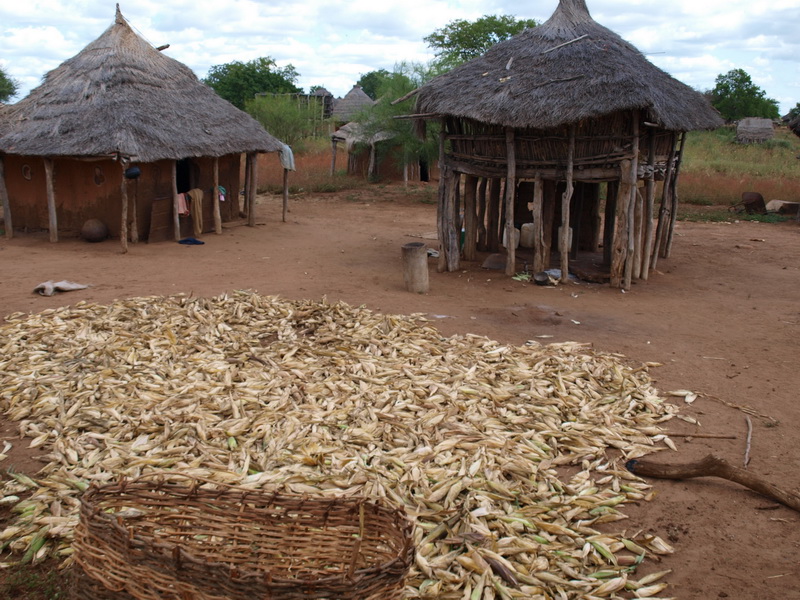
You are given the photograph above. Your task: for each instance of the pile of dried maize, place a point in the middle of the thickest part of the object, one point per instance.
(507, 458)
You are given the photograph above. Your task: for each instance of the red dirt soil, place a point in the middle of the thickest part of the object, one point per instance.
(722, 315)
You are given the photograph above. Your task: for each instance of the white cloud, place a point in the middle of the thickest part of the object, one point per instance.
(333, 42)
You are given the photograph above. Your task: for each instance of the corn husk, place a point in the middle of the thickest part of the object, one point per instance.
(506, 458)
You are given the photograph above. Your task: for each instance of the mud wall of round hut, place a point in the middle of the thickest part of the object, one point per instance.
(86, 190)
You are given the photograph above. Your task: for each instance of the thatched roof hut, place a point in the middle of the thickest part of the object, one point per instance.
(794, 125)
(564, 106)
(122, 100)
(344, 109)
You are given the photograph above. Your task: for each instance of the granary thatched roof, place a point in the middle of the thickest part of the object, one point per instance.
(356, 133)
(568, 69)
(346, 108)
(121, 96)
(794, 125)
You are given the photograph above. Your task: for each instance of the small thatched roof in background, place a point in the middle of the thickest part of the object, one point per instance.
(321, 91)
(568, 69)
(355, 133)
(794, 125)
(344, 109)
(754, 130)
(121, 96)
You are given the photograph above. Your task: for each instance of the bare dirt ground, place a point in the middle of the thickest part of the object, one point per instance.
(722, 315)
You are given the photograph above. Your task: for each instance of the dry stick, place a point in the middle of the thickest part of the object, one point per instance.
(406, 97)
(566, 43)
(713, 466)
(749, 437)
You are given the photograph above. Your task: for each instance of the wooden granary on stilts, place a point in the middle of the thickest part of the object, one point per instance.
(116, 133)
(532, 129)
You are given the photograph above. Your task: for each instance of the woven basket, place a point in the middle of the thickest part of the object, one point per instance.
(155, 539)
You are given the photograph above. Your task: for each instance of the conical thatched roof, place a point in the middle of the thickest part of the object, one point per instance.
(355, 100)
(794, 125)
(120, 95)
(529, 81)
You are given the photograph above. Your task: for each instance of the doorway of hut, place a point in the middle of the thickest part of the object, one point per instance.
(185, 176)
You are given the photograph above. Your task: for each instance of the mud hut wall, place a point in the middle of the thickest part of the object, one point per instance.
(90, 189)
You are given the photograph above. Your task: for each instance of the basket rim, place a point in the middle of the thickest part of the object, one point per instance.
(91, 501)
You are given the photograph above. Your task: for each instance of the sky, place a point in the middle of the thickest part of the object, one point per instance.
(332, 42)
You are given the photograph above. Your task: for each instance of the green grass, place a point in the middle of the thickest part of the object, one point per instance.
(716, 170)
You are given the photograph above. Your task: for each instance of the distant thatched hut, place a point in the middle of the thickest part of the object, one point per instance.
(556, 111)
(121, 103)
(754, 130)
(356, 100)
(794, 125)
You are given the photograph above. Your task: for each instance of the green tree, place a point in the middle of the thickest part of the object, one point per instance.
(8, 86)
(380, 118)
(239, 82)
(736, 97)
(372, 81)
(461, 40)
(288, 117)
(794, 112)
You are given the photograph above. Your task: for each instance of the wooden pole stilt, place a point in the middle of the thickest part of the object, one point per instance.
(663, 213)
(134, 213)
(638, 234)
(632, 201)
(7, 224)
(511, 186)
(251, 199)
(333, 156)
(51, 200)
(215, 193)
(481, 199)
(415, 267)
(650, 190)
(609, 224)
(441, 201)
(493, 219)
(674, 197)
(563, 238)
(123, 228)
(596, 218)
(470, 217)
(285, 194)
(246, 196)
(619, 246)
(541, 260)
(176, 217)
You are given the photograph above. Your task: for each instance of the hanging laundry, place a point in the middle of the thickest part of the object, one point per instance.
(183, 206)
(196, 198)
